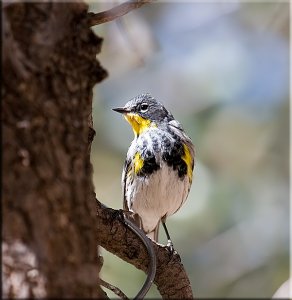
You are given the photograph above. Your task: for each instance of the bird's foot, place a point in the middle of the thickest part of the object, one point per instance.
(169, 246)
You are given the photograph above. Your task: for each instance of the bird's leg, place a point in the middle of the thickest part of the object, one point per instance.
(169, 241)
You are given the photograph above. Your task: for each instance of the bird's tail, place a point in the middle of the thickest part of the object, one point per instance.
(153, 235)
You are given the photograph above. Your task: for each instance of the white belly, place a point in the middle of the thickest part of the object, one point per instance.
(162, 194)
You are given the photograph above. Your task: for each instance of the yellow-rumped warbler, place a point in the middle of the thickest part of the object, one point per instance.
(158, 170)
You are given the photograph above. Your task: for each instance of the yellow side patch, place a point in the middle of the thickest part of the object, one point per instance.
(187, 158)
(138, 162)
(138, 123)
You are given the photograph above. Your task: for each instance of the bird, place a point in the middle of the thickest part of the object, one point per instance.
(158, 170)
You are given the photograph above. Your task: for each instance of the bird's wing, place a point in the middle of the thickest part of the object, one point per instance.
(178, 129)
(125, 174)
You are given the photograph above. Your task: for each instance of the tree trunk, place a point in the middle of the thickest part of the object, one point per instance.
(49, 225)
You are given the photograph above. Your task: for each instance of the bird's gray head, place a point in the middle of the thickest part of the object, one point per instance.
(146, 107)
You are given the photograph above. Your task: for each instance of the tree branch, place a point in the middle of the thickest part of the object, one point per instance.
(171, 278)
(115, 12)
(114, 289)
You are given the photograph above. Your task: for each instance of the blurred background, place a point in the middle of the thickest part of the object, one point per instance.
(222, 69)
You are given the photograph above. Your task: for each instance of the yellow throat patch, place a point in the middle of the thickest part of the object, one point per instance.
(138, 123)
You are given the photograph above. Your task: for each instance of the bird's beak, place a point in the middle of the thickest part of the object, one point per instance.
(122, 110)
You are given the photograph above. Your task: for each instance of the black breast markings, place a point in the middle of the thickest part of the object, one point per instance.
(173, 158)
(149, 164)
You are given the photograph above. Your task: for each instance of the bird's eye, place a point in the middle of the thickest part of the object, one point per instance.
(144, 107)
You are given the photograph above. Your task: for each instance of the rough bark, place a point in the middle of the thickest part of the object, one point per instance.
(49, 69)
